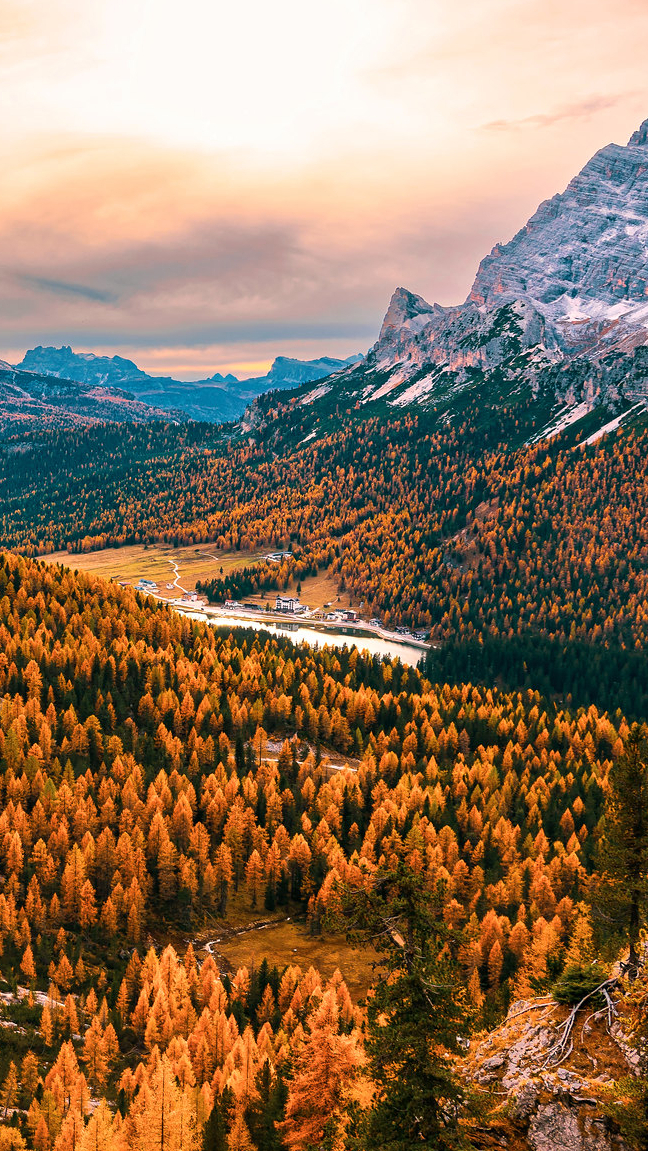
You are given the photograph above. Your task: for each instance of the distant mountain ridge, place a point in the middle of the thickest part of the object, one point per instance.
(31, 400)
(216, 399)
(558, 315)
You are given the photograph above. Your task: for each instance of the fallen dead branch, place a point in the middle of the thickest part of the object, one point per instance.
(564, 1044)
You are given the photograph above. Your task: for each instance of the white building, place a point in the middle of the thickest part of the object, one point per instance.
(288, 603)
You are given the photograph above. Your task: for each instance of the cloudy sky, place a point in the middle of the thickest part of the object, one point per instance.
(203, 184)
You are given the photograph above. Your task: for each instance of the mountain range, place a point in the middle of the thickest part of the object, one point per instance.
(219, 398)
(556, 319)
(556, 323)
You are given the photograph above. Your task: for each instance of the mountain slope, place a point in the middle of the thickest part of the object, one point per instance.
(29, 400)
(529, 567)
(216, 399)
(561, 310)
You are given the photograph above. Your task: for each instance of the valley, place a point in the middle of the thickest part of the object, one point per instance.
(132, 562)
(160, 564)
(272, 881)
(172, 575)
(194, 777)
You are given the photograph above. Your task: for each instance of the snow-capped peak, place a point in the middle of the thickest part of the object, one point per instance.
(572, 285)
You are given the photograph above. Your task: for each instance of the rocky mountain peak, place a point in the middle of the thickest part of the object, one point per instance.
(403, 307)
(639, 138)
(84, 367)
(557, 317)
(589, 243)
(219, 378)
(570, 288)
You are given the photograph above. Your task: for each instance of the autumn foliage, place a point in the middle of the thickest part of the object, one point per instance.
(438, 525)
(150, 767)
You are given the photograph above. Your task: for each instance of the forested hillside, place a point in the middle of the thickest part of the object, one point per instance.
(139, 793)
(526, 565)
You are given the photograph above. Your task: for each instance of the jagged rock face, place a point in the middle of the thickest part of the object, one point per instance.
(572, 284)
(582, 259)
(406, 311)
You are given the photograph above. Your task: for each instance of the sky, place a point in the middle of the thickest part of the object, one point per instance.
(204, 185)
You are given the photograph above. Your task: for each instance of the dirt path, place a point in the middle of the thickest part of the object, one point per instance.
(176, 582)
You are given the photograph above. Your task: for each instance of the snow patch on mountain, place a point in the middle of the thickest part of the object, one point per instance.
(417, 391)
(316, 394)
(568, 415)
(569, 291)
(612, 425)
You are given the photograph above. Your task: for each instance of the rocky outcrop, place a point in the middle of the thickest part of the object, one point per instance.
(555, 1125)
(547, 1105)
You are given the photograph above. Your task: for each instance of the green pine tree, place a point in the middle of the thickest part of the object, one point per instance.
(216, 1129)
(263, 1115)
(416, 1014)
(623, 853)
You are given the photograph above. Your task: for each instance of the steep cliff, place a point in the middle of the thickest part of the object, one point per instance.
(560, 312)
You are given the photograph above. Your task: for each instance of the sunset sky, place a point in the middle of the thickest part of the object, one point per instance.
(203, 186)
